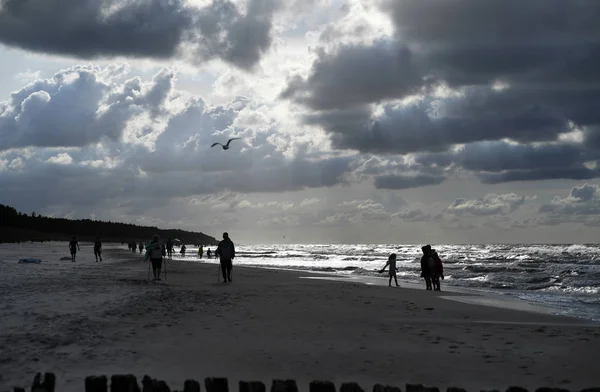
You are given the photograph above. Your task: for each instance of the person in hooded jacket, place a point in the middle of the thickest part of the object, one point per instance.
(226, 252)
(155, 251)
(438, 271)
(427, 265)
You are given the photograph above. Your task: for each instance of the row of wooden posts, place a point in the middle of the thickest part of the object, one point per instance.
(129, 383)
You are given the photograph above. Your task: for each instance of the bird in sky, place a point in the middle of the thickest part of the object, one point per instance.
(226, 146)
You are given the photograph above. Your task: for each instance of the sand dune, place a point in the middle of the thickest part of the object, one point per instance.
(88, 318)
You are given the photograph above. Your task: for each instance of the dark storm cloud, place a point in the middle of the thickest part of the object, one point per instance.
(139, 28)
(357, 75)
(471, 42)
(524, 71)
(432, 124)
(392, 181)
(577, 172)
(501, 156)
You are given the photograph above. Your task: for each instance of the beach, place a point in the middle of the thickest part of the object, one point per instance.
(87, 318)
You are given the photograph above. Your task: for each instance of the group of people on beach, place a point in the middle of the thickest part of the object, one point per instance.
(74, 247)
(133, 246)
(156, 251)
(432, 268)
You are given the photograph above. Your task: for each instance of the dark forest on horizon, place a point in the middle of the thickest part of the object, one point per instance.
(16, 226)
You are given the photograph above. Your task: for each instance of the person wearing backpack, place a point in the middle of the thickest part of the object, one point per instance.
(155, 251)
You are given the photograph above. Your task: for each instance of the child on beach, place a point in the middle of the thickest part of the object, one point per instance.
(392, 263)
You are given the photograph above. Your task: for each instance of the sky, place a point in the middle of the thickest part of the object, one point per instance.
(382, 121)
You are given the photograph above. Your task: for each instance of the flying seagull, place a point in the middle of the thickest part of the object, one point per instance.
(225, 147)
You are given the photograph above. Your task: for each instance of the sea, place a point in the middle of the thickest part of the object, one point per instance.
(565, 278)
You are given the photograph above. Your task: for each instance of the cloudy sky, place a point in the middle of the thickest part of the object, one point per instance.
(429, 121)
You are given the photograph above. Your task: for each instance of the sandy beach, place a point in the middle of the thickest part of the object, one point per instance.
(77, 319)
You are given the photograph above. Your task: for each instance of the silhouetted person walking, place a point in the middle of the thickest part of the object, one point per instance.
(392, 263)
(427, 266)
(226, 252)
(438, 271)
(98, 249)
(169, 248)
(155, 250)
(74, 247)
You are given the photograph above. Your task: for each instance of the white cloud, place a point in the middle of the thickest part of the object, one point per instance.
(60, 159)
(27, 76)
(491, 204)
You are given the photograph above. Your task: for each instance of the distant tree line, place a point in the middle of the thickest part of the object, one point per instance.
(16, 226)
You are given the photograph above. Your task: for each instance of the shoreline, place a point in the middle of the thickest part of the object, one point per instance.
(470, 295)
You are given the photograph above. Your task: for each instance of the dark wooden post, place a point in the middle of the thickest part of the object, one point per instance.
(252, 386)
(46, 386)
(322, 386)
(351, 387)
(516, 389)
(96, 384)
(386, 388)
(151, 385)
(420, 388)
(191, 386)
(284, 386)
(214, 384)
(124, 383)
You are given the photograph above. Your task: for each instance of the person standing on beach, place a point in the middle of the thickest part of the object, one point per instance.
(74, 247)
(169, 248)
(155, 250)
(141, 247)
(226, 252)
(427, 266)
(437, 272)
(392, 263)
(200, 251)
(98, 249)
